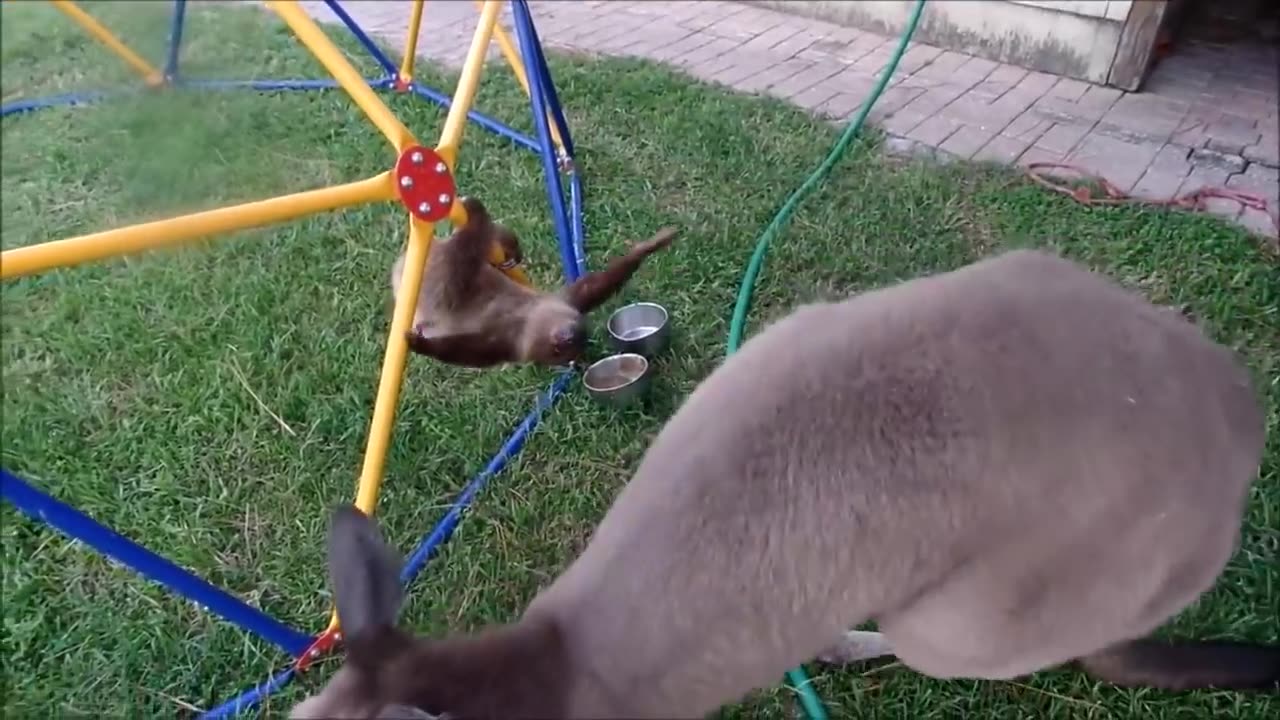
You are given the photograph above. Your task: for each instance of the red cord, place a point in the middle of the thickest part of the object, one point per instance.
(1194, 200)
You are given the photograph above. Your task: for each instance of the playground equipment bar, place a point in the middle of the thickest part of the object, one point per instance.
(411, 43)
(273, 85)
(177, 22)
(99, 31)
(532, 74)
(360, 36)
(468, 83)
(512, 56)
(135, 238)
(430, 544)
(51, 101)
(484, 121)
(331, 57)
(37, 504)
(542, 96)
(540, 60)
(419, 246)
(82, 98)
(392, 375)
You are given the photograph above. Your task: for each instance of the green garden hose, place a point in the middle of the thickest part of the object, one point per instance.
(809, 699)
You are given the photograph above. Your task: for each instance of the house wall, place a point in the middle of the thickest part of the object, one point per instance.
(1076, 39)
(1108, 9)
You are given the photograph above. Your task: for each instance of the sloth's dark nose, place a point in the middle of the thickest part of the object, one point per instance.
(571, 337)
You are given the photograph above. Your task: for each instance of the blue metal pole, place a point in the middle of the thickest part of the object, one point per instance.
(494, 126)
(579, 229)
(431, 544)
(84, 98)
(175, 39)
(550, 170)
(274, 85)
(80, 98)
(41, 506)
(548, 86)
(364, 39)
(249, 699)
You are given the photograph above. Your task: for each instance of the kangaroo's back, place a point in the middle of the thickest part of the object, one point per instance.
(1009, 466)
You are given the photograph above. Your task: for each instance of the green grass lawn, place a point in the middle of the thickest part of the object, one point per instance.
(129, 385)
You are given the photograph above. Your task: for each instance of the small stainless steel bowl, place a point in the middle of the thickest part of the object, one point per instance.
(643, 328)
(618, 380)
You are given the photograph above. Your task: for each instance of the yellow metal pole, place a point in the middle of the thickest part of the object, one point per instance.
(99, 32)
(393, 362)
(497, 257)
(458, 218)
(465, 94)
(392, 376)
(509, 52)
(145, 236)
(517, 68)
(347, 76)
(411, 45)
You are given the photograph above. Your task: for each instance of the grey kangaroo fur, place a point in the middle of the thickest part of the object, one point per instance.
(1013, 466)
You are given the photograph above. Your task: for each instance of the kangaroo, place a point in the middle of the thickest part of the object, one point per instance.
(1012, 466)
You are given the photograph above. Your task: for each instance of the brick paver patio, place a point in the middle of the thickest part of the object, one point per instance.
(1208, 116)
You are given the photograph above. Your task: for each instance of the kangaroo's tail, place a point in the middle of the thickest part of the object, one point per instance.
(1188, 665)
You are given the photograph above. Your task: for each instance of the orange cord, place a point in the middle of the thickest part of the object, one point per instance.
(1112, 195)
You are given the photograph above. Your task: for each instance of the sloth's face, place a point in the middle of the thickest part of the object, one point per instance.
(568, 343)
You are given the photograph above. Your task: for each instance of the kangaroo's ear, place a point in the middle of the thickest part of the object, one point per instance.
(364, 572)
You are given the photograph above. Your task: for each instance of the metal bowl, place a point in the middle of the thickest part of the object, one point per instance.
(618, 380)
(643, 328)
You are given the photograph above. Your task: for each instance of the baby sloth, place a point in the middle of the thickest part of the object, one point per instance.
(470, 313)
